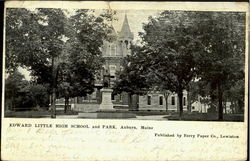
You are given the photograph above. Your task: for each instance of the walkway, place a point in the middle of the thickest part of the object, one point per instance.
(152, 117)
(148, 117)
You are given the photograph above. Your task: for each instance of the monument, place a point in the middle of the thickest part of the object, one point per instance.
(106, 108)
(106, 92)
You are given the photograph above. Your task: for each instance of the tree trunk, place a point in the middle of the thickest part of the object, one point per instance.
(98, 96)
(53, 101)
(240, 105)
(129, 101)
(134, 102)
(213, 102)
(180, 97)
(66, 109)
(137, 101)
(66, 98)
(188, 101)
(166, 100)
(65, 104)
(166, 94)
(36, 102)
(231, 107)
(220, 106)
(235, 107)
(224, 104)
(53, 104)
(12, 103)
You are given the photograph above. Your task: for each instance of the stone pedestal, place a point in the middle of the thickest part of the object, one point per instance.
(106, 104)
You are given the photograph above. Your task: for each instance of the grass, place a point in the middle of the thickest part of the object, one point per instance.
(139, 113)
(206, 117)
(171, 116)
(148, 113)
(36, 114)
(46, 113)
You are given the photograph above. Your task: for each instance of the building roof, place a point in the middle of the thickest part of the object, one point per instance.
(112, 35)
(125, 31)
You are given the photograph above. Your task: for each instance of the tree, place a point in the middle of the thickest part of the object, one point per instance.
(21, 94)
(223, 63)
(13, 85)
(235, 94)
(171, 48)
(38, 93)
(81, 59)
(36, 40)
(183, 46)
(132, 79)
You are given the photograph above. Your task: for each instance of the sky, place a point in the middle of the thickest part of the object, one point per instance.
(136, 18)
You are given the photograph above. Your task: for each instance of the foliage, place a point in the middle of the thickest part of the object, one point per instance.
(132, 78)
(32, 39)
(171, 49)
(180, 47)
(23, 95)
(81, 58)
(59, 50)
(235, 94)
(223, 64)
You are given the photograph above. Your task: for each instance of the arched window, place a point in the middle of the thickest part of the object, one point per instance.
(126, 42)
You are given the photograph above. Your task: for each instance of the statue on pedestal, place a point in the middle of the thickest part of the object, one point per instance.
(106, 78)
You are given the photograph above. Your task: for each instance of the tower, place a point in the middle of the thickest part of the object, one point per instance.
(125, 37)
(113, 51)
(116, 48)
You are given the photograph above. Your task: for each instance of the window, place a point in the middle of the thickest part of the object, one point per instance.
(184, 101)
(113, 50)
(161, 100)
(193, 107)
(173, 100)
(149, 100)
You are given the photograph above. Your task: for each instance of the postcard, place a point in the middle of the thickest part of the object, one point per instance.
(125, 80)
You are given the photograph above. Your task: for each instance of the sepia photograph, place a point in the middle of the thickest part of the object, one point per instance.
(124, 64)
(125, 81)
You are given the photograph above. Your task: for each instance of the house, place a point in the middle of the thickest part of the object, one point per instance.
(199, 107)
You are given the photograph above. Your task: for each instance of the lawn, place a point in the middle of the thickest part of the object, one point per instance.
(206, 117)
(36, 114)
(170, 116)
(139, 113)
